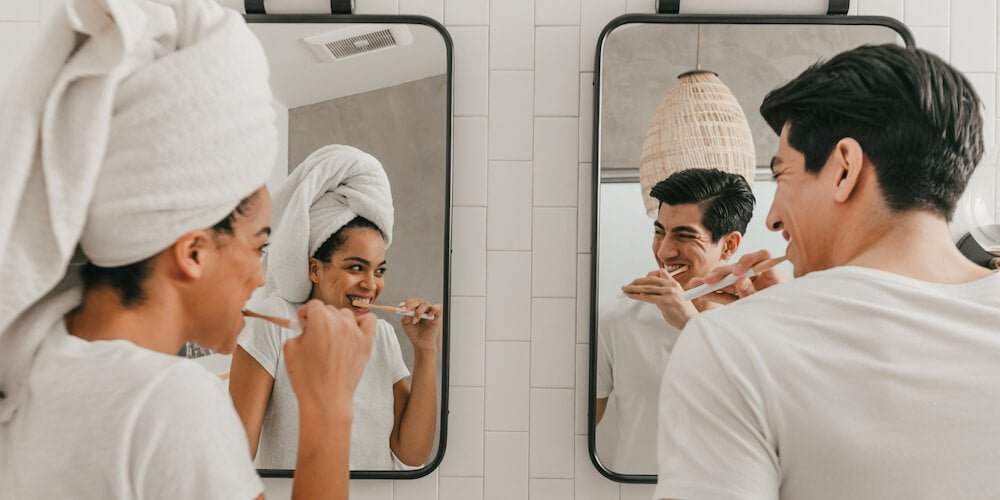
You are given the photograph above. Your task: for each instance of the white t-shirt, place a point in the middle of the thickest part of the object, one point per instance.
(111, 420)
(373, 398)
(845, 383)
(634, 342)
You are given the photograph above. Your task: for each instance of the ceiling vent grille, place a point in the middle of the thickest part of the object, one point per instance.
(357, 40)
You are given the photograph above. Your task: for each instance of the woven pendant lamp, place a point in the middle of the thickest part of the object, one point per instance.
(699, 124)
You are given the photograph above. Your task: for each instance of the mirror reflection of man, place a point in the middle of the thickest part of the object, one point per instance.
(874, 373)
(701, 220)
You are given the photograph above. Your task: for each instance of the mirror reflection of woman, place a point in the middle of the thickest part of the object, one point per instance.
(335, 221)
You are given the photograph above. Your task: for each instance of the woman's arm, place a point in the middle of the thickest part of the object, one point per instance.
(415, 408)
(250, 387)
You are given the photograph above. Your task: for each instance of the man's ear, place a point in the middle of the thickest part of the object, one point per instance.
(730, 243)
(190, 253)
(848, 158)
(314, 265)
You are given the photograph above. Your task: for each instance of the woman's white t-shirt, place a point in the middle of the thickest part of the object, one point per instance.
(373, 398)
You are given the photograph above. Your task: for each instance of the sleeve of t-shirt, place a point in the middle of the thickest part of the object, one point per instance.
(263, 341)
(714, 441)
(397, 367)
(187, 441)
(605, 364)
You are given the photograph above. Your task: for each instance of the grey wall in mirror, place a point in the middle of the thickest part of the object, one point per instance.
(639, 62)
(393, 103)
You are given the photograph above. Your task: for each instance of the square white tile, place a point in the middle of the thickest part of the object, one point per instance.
(471, 83)
(464, 456)
(368, 489)
(641, 6)
(584, 208)
(376, 7)
(889, 8)
(506, 475)
(552, 440)
(508, 296)
(19, 10)
(512, 34)
(416, 489)
(934, 39)
(555, 166)
(557, 71)
(553, 255)
(551, 489)
(582, 387)
(986, 86)
(468, 258)
(468, 341)
(557, 12)
(553, 342)
(507, 396)
(460, 488)
(588, 483)
(433, 9)
(466, 12)
(582, 298)
(594, 15)
(974, 35)
(586, 116)
(469, 163)
(927, 12)
(511, 115)
(508, 214)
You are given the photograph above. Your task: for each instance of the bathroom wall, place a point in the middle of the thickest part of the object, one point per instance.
(522, 139)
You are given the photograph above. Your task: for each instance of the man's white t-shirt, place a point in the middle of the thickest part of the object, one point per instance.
(845, 383)
(373, 398)
(634, 342)
(111, 420)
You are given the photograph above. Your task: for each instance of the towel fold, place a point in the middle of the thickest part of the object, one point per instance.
(131, 123)
(331, 187)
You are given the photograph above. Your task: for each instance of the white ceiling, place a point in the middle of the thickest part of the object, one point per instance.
(299, 78)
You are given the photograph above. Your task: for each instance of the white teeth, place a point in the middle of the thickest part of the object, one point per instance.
(362, 299)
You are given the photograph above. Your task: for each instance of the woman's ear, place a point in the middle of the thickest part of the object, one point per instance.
(190, 253)
(730, 243)
(849, 160)
(314, 265)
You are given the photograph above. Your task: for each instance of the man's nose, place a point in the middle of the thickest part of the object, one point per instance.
(774, 221)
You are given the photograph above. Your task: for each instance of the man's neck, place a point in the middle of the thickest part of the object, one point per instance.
(153, 324)
(915, 244)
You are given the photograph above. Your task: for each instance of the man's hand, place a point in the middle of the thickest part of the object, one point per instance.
(661, 289)
(744, 286)
(325, 362)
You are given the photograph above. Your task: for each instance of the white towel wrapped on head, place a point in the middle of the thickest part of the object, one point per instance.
(132, 123)
(331, 187)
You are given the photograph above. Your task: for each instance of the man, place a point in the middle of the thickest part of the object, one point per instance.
(140, 136)
(874, 373)
(702, 217)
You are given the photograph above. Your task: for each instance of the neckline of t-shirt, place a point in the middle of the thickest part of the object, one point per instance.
(975, 287)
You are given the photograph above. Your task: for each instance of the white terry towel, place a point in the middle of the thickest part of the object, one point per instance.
(335, 184)
(131, 123)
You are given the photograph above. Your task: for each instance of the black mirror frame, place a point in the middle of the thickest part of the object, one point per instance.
(888, 22)
(446, 300)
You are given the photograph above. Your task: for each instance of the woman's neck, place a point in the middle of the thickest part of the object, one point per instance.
(102, 316)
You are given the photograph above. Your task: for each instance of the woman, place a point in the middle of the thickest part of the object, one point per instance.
(335, 214)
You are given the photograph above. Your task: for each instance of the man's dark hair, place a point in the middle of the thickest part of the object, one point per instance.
(916, 118)
(725, 199)
(325, 251)
(127, 281)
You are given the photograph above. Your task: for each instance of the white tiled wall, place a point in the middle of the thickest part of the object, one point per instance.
(523, 115)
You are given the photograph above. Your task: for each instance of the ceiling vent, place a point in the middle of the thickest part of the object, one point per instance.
(356, 40)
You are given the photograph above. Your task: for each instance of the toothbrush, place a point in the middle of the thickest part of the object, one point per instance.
(706, 289)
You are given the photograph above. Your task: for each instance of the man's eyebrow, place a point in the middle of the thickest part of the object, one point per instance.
(657, 225)
(683, 229)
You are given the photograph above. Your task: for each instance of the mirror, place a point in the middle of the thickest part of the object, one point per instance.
(639, 59)
(381, 84)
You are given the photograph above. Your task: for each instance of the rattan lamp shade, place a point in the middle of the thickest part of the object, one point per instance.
(699, 124)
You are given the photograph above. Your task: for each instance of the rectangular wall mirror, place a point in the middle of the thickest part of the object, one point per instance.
(381, 84)
(639, 59)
